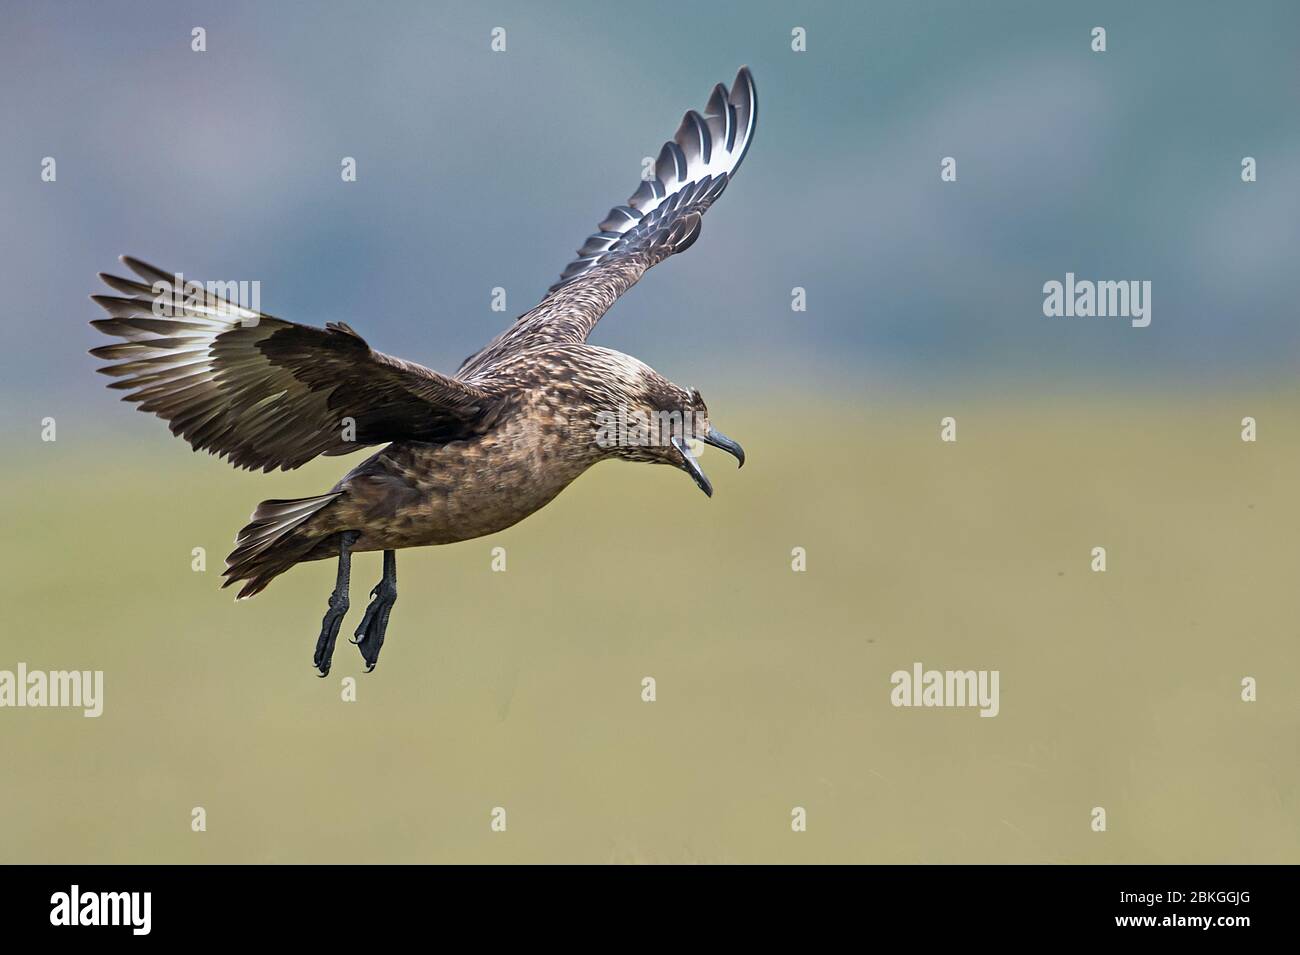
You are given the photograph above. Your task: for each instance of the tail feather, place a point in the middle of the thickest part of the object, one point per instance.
(271, 542)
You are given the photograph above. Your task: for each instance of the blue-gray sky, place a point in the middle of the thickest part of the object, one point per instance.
(479, 169)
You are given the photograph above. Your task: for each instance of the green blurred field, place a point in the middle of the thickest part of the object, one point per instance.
(522, 689)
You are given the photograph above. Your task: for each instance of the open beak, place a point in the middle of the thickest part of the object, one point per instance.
(718, 440)
(692, 466)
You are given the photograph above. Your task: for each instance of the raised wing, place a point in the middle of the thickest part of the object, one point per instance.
(264, 392)
(660, 219)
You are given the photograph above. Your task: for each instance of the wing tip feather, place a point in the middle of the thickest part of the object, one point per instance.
(691, 171)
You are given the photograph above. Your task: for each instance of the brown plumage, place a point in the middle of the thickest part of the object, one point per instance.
(467, 455)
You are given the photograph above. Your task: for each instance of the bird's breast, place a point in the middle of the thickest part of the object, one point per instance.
(413, 494)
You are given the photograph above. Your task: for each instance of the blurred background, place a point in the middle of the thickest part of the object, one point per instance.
(477, 170)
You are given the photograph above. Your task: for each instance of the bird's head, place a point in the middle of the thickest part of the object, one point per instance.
(654, 421)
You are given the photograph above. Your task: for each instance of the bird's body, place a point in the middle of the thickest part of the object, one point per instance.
(412, 493)
(466, 455)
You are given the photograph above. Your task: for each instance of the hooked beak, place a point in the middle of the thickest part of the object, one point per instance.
(718, 440)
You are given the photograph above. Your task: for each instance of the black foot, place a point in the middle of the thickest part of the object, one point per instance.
(369, 637)
(329, 633)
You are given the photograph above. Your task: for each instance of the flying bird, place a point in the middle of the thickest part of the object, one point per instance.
(467, 454)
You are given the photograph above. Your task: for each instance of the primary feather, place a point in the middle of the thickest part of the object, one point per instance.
(662, 218)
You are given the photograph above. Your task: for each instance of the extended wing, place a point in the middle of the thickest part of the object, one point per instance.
(264, 392)
(661, 218)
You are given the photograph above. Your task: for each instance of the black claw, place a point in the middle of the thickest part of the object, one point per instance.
(363, 628)
(369, 637)
(329, 634)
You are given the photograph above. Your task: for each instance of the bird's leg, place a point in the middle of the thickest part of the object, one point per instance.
(329, 628)
(370, 635)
